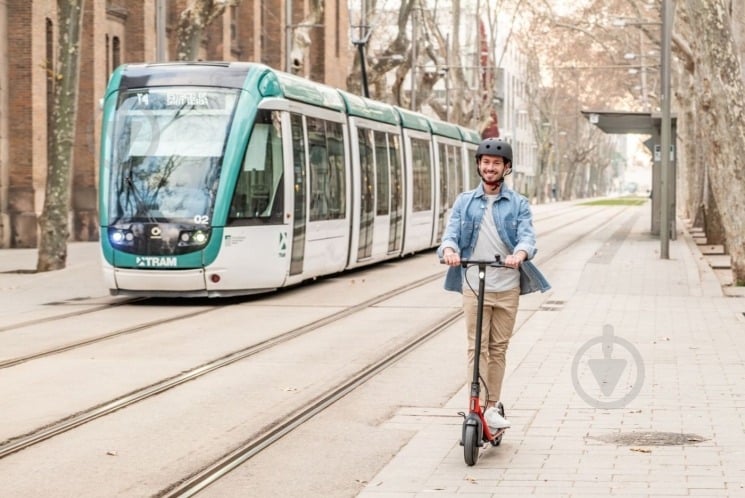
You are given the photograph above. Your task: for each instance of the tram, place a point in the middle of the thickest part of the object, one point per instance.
(230, 178)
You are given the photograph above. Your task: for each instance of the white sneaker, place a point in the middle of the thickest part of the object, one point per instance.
(495, 420)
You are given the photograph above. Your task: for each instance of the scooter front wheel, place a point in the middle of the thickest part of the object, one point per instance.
(471, 440)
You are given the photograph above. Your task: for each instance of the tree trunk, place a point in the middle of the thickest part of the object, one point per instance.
(192, 22)
(53, 222)
(301, 36)
(722, 114)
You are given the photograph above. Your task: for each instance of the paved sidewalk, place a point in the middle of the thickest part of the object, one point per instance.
(25, 294)
(682, 435)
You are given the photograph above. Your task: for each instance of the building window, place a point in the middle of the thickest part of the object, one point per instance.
(116, 52)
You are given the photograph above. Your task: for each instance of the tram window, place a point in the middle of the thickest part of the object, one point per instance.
(473, 177)
(258, 191)
(382, 180)
(394, 160)
(367, 164)
(327, 182)
(395, 234)
(167, 149)
(445, 168)
(337, 184)
(421, 175)
(456, 174)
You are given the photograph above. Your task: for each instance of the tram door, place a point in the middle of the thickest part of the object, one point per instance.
(320, 235)
(419, 228)
(298, 215)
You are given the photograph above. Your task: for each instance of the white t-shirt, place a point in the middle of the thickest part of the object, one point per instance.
(488, 244)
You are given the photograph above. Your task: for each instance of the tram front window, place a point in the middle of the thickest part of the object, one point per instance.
(167, 150)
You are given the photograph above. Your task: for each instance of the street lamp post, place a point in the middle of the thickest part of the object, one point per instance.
(288, 35)
(361, 43)
(160, 31)
(666, 175)
(414, 34)
(665, 132)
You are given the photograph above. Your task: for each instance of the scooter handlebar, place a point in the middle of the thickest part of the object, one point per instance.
(496, 262)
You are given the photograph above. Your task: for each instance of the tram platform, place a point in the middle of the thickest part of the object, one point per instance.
(669, 326)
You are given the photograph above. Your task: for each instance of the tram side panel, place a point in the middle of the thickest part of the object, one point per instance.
(255, 246)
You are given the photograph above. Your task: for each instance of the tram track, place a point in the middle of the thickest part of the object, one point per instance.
(279, 428)
(104, 337)
(70, 314)
(15, 444)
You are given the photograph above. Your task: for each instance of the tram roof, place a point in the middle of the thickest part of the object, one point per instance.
(444, 129)
(469, 135)
(370, 109)
(303, 90)
(413, 120)
(220, 74)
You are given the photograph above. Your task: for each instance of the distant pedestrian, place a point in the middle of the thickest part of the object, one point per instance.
(492, 220)
(491, 127)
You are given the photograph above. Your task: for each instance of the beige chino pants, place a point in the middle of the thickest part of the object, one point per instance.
(500, 311)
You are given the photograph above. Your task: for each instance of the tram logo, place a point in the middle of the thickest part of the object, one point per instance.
(157, 262)
(282, 244)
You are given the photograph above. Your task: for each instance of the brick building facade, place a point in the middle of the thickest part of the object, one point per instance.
(116, 32)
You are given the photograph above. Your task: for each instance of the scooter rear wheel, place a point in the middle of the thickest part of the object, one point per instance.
(498, 440)
(471, 441)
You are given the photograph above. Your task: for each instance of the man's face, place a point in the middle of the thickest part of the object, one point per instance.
(492, 168)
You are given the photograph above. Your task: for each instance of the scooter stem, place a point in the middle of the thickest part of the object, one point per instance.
(475, 389)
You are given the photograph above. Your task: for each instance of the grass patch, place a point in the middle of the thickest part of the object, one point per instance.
(617, 201)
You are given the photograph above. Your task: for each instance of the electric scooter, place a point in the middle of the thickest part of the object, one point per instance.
(476, 431)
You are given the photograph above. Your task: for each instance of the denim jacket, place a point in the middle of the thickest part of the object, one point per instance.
(514, 223)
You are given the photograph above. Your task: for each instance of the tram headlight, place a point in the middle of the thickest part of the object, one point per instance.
(193, 238)
(121, 237)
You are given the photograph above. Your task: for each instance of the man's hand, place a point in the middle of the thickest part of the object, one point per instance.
(450, 257)
(514, 260)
